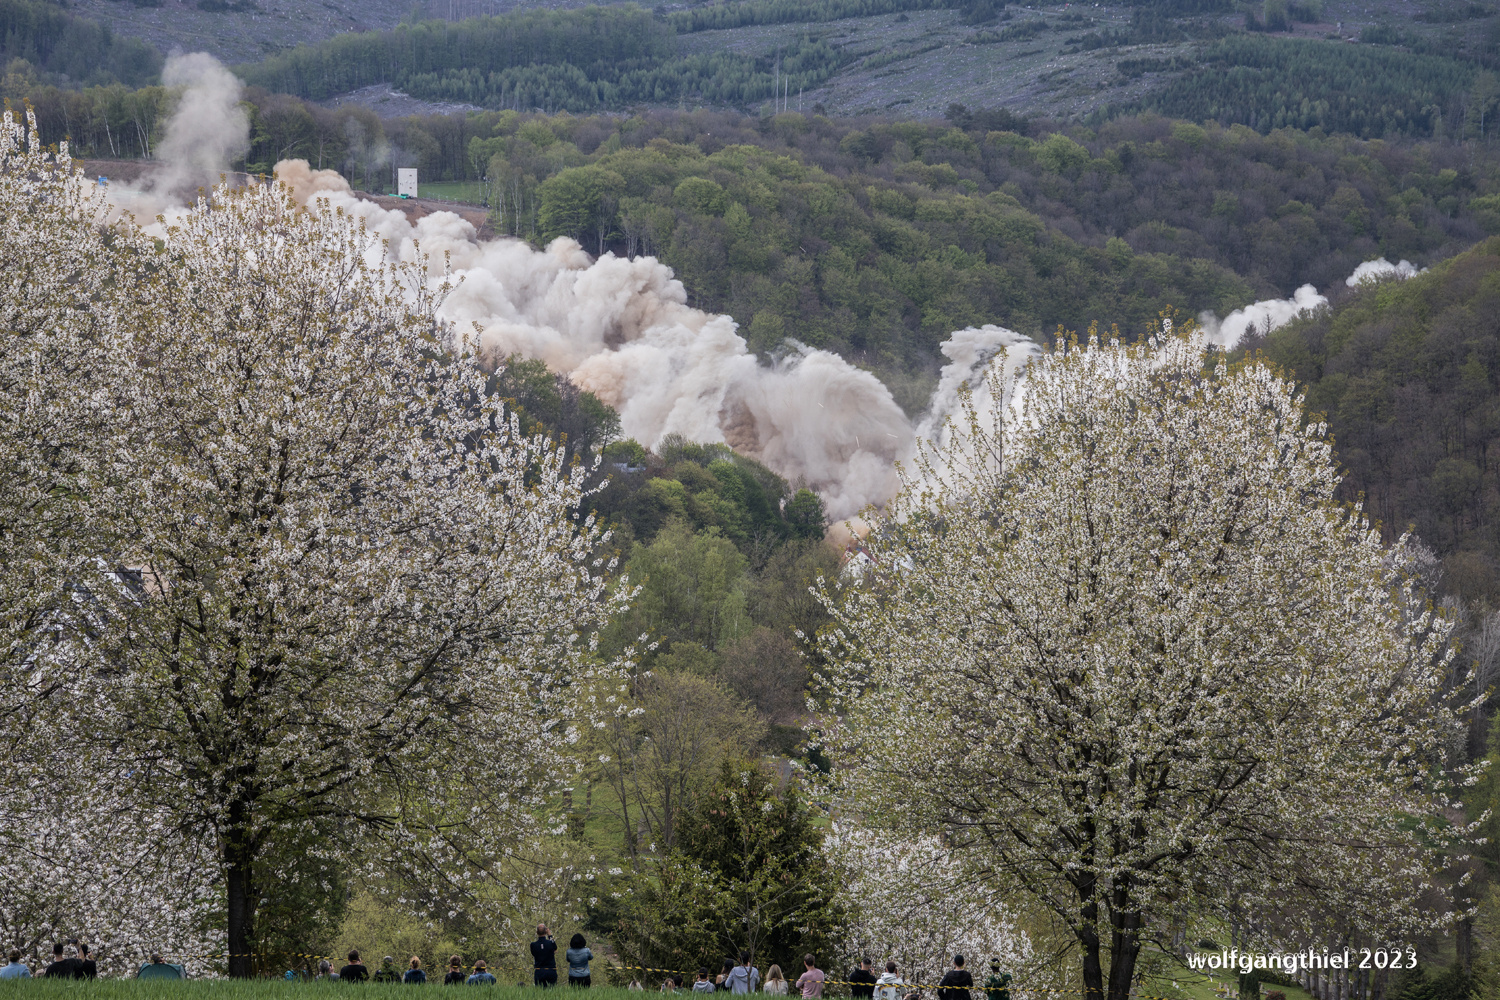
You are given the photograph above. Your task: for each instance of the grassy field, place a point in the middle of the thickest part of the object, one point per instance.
(1189, 986)
(464, 192)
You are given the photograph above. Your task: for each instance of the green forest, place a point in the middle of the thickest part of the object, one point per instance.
(72, 49)
(599, 57)
(878, 241)
(1369, 91)
(1405, 373)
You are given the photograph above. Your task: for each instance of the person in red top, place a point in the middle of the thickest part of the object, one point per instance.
(811, 981)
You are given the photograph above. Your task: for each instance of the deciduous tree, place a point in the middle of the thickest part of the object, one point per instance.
(1128, 651)
(361, 597)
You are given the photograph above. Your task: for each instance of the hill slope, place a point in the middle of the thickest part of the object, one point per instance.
(1408, 374)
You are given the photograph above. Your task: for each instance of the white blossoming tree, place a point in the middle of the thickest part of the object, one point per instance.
(75, 860)
(55, 281)
(335, 597)
(1128, 654)
(909, 902)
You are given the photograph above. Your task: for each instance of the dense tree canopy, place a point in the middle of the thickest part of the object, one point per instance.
(1405, 373)
(1109, 648)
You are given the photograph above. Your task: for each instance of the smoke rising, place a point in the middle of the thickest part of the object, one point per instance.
(622, 328)
(206, 132)
(1263, 316)
(208, 129)
(1380, 270)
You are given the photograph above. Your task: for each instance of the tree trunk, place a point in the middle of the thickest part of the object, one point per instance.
(241, 894)
(1125, 943)
(1088, 937)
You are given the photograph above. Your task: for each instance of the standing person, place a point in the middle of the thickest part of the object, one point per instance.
(415, 973)
(811, 981)
(355, 971)
(65, 964)
(997, 983)
(16, 969)
(743, 978)
(890, 983)
(387, 972)
(87, 967)
(955, 985)
(455, 976)
(775, 981)
(481, 976)
(579, 956)
(544, 957)
(703, 984)
(862, 981)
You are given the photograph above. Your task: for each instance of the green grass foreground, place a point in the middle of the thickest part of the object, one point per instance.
(262, 989)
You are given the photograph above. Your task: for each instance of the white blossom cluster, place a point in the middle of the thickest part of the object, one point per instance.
(911, 902)
(1130, 652)
(278, 570)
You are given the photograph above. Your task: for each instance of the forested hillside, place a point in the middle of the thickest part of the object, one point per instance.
(70, 49)
(1406, 373)
(877, 239)
(1369, 91)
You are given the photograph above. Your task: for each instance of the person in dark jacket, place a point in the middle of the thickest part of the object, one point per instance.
(355, 971)
(65, 964)
(88, 968)
(544, 957)
(415, 973)
(997, 985)
(862, 981)
(387, 972)
(455, 976)
(955, 985)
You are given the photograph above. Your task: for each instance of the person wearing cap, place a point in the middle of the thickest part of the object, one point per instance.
(387, 972)
(481, 976)
(997, 983)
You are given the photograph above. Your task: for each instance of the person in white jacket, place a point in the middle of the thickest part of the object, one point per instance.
(888, 986)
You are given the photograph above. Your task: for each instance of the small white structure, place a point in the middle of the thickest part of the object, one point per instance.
(406, 182)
